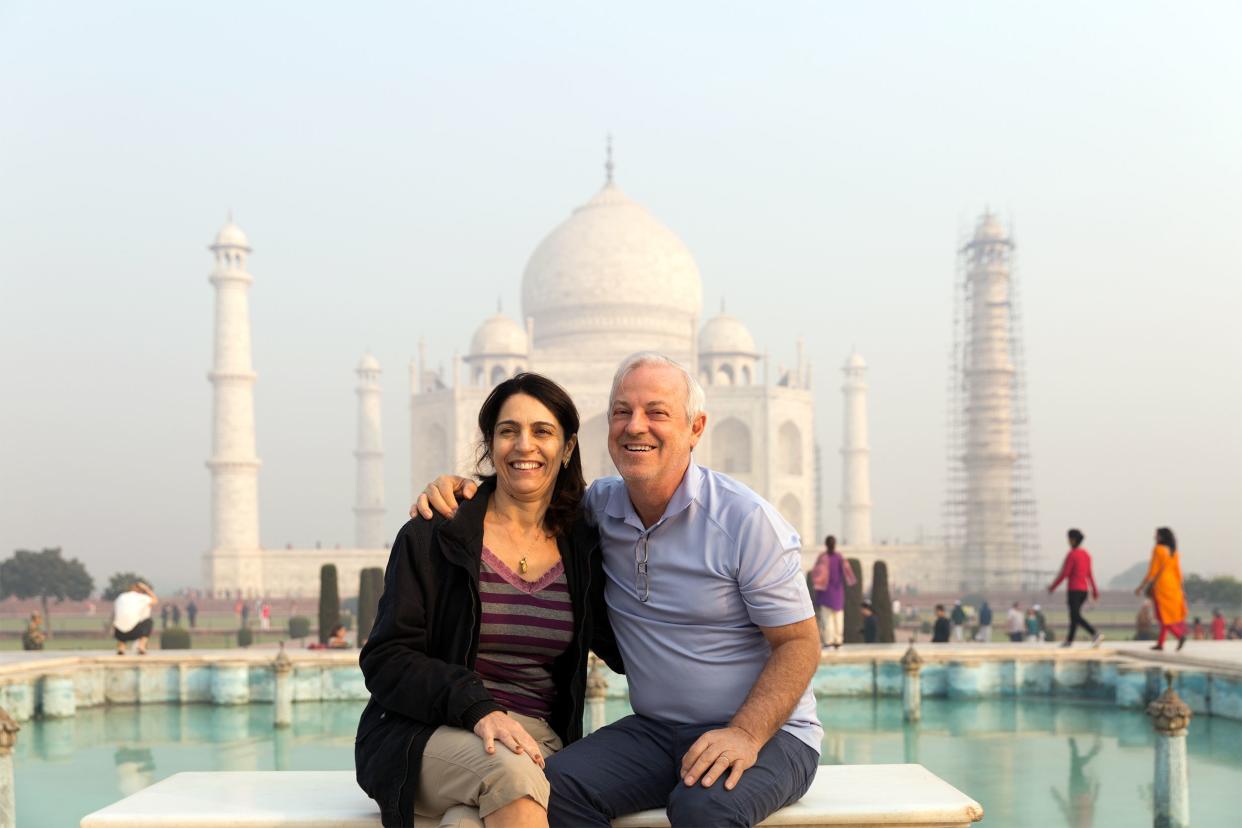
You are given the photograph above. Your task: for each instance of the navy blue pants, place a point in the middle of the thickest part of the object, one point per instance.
(635, 764)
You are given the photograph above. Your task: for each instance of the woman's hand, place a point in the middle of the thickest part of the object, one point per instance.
(503, 728)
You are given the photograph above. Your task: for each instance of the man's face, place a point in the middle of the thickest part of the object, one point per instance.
(649, 438)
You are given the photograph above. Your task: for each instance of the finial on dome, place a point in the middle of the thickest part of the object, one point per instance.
(608, 165)
(722, 305)
(230, 215)
(500, 305)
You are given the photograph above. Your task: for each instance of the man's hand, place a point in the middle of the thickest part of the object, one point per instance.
(503, 728)
(729, 748)
(441, 495)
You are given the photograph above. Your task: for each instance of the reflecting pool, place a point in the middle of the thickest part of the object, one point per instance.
(1030, 762)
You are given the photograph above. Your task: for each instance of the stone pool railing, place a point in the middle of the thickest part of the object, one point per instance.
(54, 685)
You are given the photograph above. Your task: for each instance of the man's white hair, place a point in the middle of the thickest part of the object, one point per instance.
(696, 400)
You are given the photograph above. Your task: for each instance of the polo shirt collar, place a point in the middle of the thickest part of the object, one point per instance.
(620, 507)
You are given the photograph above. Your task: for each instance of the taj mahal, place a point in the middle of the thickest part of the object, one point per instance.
(608, 281)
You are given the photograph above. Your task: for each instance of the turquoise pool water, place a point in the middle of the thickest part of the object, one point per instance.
(1030, 762)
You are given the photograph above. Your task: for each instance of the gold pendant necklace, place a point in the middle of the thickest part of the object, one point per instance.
(522, 565)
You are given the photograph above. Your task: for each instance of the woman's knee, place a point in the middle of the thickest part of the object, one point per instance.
(509, 777)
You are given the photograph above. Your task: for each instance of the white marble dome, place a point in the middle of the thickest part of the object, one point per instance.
(612, 273)
(368, 363)
(231, 235)
(498, 335)
(726, 334)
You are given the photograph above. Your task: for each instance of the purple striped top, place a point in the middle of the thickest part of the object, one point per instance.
(526, 625)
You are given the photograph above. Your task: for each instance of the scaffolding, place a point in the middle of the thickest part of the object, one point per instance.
(989, 514)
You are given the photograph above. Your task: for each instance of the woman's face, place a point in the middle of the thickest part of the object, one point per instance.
(528, 448)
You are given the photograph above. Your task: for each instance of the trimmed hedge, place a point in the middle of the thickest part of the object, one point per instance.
(175, 638)
(299, 626)
(245, 637)
(329, 602)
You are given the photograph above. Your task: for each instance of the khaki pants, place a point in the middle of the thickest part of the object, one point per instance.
(464, 783)
(831, 626)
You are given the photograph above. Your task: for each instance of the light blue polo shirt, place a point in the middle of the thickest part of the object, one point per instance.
(721, 562)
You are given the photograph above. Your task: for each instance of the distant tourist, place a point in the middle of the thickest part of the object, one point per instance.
(871, 625)
(265, 617)
(940, 630)
(1163, 584)
(339, 638)
(176, 615)
(245, 612)
(131, 617)
(1015, 624)
(1144, 623)
(985, 623)
(829, 578)
(1196, 629)
(1032, 624)
(1041, 623)
(1076, 572)
(1218, 625)
(164, 617)
(191, 613)
(958, 617)
(34, 636)
(1235, 629)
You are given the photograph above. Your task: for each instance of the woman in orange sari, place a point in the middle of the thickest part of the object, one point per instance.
(1164, 579)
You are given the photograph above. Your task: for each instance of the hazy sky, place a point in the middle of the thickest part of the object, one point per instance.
(395, 164)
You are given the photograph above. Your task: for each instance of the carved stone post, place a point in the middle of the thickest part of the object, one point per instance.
(596, 692)
(8, 800)
(911, 690)
(1170, 716)
(282, 696)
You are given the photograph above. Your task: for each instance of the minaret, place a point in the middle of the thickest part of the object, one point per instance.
(990, 550)
(856, 457)
(234, 562)
(369, 497)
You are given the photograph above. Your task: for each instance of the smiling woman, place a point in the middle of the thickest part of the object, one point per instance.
(477, 662)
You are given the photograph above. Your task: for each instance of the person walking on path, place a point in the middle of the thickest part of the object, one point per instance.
(191, 613)
(265, 617)
(176, 615)
(985, 623)
(1218, 625)
(1163, 583)
(829, 577)
(958, 617)
(1076, 572)
(1015, 625)
(940, 631)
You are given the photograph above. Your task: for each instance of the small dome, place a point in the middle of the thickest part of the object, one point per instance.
(368, 363)
(855, 361)
(726, 334)
(498, 335)
(989, 228)
(231, 235)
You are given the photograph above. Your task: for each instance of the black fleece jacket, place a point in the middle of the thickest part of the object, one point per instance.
(419, 660)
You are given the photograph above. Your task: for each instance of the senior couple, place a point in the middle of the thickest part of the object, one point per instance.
(680, 577)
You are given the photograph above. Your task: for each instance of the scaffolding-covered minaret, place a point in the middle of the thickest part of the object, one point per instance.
(369, 456)
(990, 513)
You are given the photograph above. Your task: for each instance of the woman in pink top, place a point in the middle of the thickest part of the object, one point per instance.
(1077, 572)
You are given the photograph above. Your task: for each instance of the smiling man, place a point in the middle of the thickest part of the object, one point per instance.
(710, 610)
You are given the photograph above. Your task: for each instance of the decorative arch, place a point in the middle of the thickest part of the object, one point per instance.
(791, 509)
(731, 447)
(498, 375)
(724, 374)
(434, 449)
(789, 449)
(745, 378)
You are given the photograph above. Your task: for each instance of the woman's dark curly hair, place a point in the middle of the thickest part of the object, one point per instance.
(569, 486)
(1164, 537)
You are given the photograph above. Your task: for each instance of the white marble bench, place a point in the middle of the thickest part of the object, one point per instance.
(842, 795)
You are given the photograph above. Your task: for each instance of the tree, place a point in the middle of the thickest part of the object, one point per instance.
(44, 575)
(882, 603)
(853, 605)
(121, 582)
(329, 602)
(370, 586)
